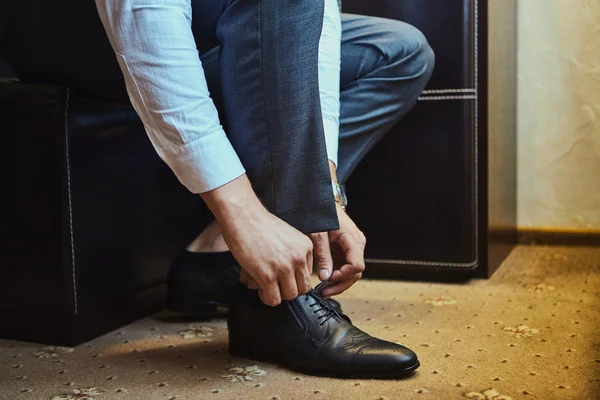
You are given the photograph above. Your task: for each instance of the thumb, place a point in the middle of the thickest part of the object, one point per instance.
(322, 255)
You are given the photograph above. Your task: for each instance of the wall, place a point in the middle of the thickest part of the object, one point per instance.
(502, 113)
(558, 112)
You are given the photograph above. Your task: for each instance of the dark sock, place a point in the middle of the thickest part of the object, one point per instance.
(210, 260)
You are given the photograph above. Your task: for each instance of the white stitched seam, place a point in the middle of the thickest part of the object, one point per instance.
(465, 97)
(476, 69)
(417, 262)
(443, 91)
(69, 201)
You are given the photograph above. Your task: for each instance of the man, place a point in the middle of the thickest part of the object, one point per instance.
(266, 128)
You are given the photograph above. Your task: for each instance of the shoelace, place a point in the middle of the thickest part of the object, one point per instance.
(328, 311)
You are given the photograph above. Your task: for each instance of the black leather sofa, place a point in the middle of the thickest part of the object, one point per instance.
(94, 216)
(93, 221)
(431, 214)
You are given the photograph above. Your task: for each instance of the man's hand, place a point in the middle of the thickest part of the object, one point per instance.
(275, 256)
(340, 255)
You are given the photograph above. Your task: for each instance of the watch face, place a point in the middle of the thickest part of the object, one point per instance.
(340, 194)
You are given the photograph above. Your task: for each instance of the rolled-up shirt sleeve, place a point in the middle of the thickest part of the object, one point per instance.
(165, 81)
(329, 76)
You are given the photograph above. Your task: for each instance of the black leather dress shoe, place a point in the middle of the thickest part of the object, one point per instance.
(308, 336)
(204, 291)
(201, 290)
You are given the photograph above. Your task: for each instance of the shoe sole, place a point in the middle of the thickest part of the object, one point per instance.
(401, 373)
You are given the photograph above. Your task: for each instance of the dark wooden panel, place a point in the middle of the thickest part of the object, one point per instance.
(415, 195)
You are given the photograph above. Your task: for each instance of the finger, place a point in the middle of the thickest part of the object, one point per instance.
(346, 272)
(322, 255)
(341, 270)
(353, 249)
(269, 294)
(339, 287)
(288, 286)
(309, 262)
(303, 281)
(354, 256)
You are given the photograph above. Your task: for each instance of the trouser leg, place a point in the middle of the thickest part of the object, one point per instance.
(385, 66)
(268, 67)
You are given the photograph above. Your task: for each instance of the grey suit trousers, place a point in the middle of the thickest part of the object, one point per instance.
(385, 65)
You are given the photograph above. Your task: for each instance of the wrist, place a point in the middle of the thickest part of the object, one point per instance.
(230, 202)
(333, 171)
(339, 195)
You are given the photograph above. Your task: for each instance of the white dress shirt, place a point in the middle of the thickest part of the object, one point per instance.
(165, 81)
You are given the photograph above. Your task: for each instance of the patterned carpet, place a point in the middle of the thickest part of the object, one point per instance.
(531, 332)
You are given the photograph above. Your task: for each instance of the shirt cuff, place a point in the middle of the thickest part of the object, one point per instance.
(332, 137)
(204, 164)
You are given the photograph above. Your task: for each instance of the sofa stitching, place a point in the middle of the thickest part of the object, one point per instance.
(69, 200)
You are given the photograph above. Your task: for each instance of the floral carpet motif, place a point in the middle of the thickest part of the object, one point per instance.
(529, 332)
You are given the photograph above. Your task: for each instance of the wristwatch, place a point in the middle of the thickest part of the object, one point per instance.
(340, 195)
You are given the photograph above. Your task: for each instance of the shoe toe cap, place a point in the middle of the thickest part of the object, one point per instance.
(388, 357)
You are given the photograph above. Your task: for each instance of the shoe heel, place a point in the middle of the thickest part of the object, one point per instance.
(242, 346)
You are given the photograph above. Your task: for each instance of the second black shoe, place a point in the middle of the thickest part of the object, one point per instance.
(201, 285)
(308, 336)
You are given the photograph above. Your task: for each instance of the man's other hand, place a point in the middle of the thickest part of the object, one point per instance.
(339, 255)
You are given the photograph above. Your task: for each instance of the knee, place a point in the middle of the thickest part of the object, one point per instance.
(404, 44)
(423, 53)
